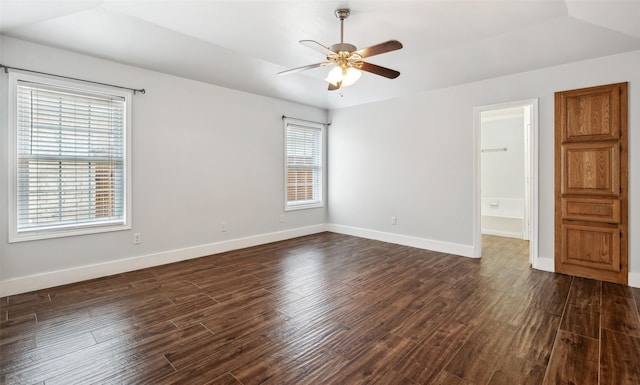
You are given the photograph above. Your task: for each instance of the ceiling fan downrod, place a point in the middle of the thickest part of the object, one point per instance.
(342, 14)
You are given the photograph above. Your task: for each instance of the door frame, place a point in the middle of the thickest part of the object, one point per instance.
(532, 151)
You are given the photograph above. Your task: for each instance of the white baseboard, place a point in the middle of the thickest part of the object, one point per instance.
(61, 277)
(544, 264)
(634, 279)
(500, 233)
(503, 226)
(77, 274)
(548, 264)
(405, 240)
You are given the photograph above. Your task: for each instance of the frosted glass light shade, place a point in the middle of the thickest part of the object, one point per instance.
(351, 76)
(347, 76)
(335, 76)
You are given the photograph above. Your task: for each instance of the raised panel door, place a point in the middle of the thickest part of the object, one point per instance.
(591, 194)
(590, 114)
(591, 168)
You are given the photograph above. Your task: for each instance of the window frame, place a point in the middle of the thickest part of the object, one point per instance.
(314, 203)
(66, 230)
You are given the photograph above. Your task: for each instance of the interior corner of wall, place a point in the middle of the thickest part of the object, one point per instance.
(634, 279)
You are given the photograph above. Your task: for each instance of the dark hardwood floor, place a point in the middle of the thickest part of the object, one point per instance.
(327, 309)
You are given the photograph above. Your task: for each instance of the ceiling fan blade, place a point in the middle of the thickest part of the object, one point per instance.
(336, 87)
(378, 70)
(377, 49)
(303, 68)
(317, 46)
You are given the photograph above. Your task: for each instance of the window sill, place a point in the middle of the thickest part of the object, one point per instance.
(35, 235)
(303, 206)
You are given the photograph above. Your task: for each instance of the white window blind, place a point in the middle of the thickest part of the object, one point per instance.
(303, 169)
(70, 169)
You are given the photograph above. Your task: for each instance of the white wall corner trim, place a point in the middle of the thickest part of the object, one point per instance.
(405, 240)
(544, 264)
(62, 277)
(634, 279)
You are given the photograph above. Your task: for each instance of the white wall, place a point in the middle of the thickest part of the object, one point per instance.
(413, 157)
(201, 154)
(502, 170)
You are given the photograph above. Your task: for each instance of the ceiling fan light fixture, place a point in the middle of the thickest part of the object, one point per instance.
(350, 76)
(343, 76)
(334, 76)
(347, 58)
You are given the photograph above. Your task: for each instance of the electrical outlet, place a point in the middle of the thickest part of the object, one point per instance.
(137, 238)
(281, 218)
(394, 220)
(223, 226)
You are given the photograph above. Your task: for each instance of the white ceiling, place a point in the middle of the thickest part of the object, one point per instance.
(243, 44)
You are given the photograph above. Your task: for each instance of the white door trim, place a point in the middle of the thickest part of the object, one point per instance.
(533, 176)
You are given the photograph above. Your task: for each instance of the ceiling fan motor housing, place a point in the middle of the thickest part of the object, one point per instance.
(343, 47)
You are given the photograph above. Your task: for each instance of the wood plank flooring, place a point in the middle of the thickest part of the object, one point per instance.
(327, 309)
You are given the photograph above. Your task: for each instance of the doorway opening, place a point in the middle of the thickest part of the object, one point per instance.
(506, 173)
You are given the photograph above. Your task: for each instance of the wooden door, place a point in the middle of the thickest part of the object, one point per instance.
(591, 237)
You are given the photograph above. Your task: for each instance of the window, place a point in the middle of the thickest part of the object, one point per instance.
(69, 158)
(303, 165)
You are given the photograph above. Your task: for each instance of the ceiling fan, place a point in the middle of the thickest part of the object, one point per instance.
(347, 58)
